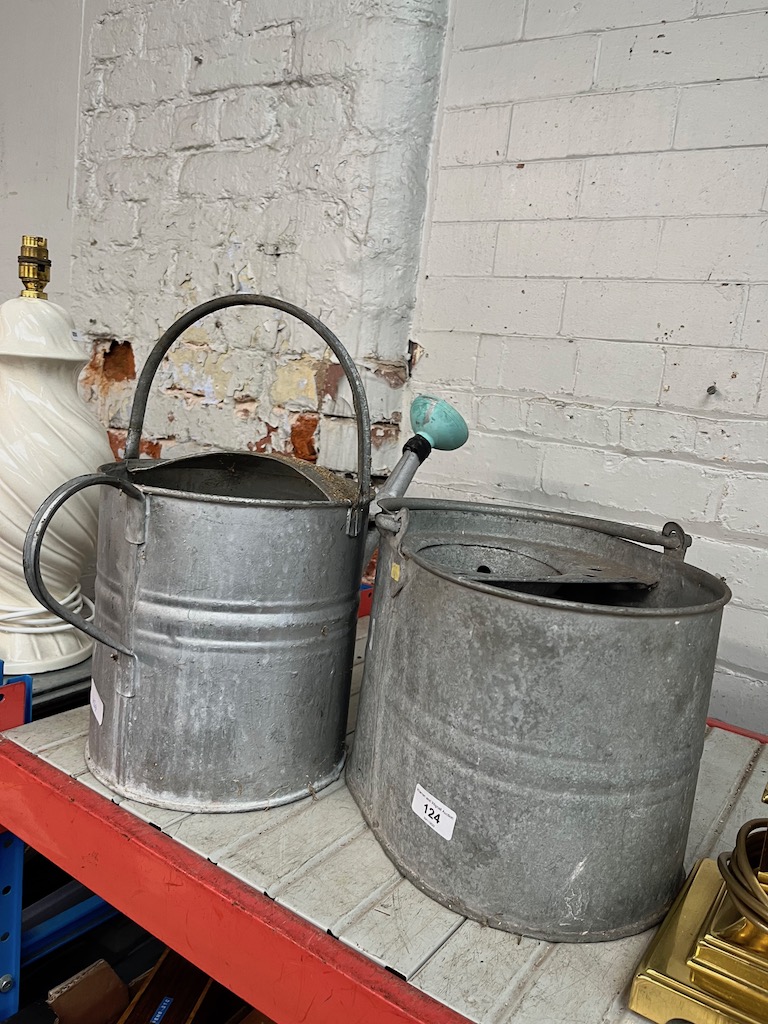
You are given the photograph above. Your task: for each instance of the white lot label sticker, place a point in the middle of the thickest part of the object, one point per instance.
(97, 704)
(436, 814)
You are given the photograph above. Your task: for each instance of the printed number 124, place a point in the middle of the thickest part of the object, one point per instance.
(434, 812)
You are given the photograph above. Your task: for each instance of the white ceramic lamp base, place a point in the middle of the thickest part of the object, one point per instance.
(47, 436)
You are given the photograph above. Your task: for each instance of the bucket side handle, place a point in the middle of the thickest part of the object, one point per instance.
(680, 541)
(357, 516)
(672, 537)
(33, 544)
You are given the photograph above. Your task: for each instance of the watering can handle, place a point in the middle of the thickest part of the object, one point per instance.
(34, 540)
(352, 374)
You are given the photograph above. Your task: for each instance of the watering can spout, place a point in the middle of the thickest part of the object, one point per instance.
(439, 422)
(436, 424)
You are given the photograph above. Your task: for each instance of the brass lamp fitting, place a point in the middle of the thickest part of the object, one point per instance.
(34, 266)
(708, 963)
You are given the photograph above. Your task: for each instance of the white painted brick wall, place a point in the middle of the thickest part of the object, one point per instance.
(547, 366)
(575, 125)
(655, 311)
(134, 80)
(502, 193)
(721, 248)
(278, 146)
(490, 461)
(691, 372)
(644, 429)
(595, 264)
(450, 358)
(493, 305)
(675, 184)
(737, 440)
(755, 333)
(727, 6)
(725, 114)
(462, 250)
(476, 136)
(563, 17)
(488, 23)
(575, 248)
(594, 478)
(619, 372)
(524, 70)
(682, 52)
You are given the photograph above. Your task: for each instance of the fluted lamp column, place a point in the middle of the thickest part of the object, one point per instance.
(47, 436)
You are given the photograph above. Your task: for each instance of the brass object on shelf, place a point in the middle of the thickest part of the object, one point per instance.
(34, 266)
(709, 963)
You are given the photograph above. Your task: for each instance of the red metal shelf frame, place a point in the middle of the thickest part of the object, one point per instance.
(285, 967)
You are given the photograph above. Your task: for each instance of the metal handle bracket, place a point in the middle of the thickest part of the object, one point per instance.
(33, 544)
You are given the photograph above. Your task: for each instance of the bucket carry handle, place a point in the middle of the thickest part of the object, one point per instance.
(672, 537)
(357, 514)
(34, 540)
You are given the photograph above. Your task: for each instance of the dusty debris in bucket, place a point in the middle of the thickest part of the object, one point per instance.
(337, 488)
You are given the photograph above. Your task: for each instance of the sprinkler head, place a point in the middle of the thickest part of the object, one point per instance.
(438, 421)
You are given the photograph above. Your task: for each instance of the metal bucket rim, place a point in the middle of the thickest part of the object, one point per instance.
(121, 469)
(224, 499)
(581, 606)
(694, 573)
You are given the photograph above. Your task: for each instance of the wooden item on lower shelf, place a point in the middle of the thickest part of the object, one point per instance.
(171, 994)
(177, 992)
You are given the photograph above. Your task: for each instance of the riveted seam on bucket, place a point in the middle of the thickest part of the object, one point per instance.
(136, 520)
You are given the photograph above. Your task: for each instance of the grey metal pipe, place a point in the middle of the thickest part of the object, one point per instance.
(399, 480)
(395, 486)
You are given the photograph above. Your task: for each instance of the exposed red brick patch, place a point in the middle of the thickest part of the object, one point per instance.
(152, 448)
(117, 443)
(264, 443)
(303, 430)
(395, 374)
(118, 362)
(112, 363)
(383, 433)
(246, 406)
(327, 380)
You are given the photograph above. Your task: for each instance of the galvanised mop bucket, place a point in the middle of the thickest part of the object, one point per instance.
(226, 600)
(532, 713)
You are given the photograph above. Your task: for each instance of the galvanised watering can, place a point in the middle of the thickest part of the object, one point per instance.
(226, 600)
